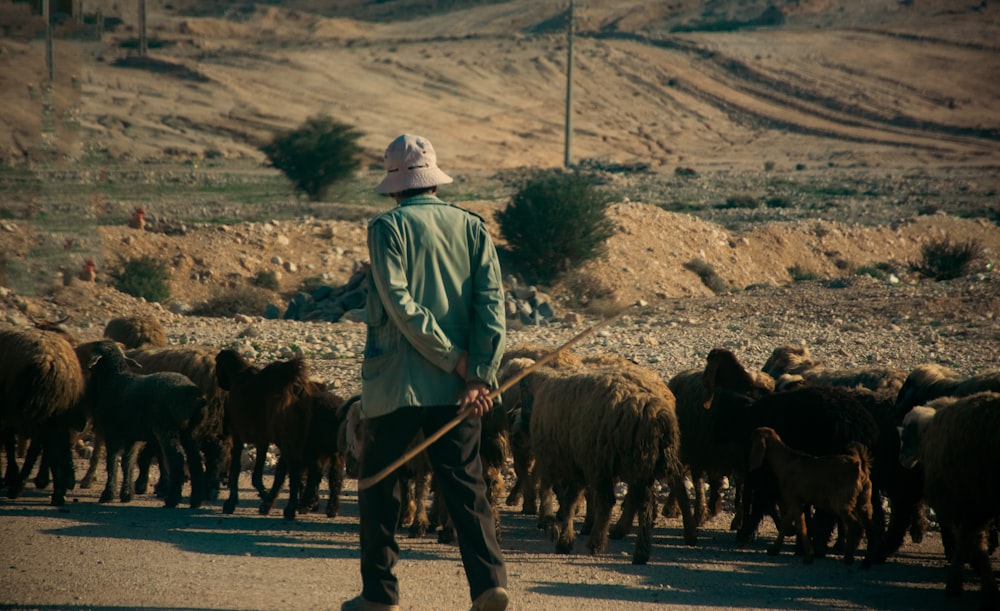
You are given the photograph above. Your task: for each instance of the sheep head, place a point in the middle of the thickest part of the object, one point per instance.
(724, 371)
(914, 427)
(790, 358)
(228, 365)
(112, 355)
(920, 386)
(758, 445)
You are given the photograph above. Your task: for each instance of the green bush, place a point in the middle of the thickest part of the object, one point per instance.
(315, 155)
(248, 300)
(945, 260)
(708, 275)
(146, 277)
(554, 223)
(267, 279)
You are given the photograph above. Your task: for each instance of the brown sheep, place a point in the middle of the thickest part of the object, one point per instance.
(255, 395)
(795, 359)
(136, 331)
(591, 428)
(839, 483)
(955, 440)
(41, 386)
(928, 382)
(305, 432)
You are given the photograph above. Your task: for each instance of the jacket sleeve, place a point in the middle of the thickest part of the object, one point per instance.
(414, 321)
(489, 332)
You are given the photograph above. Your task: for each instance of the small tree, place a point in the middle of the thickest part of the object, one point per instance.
(555, 223)
(315, 155)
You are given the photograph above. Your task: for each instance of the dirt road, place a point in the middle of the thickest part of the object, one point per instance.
(92, 556)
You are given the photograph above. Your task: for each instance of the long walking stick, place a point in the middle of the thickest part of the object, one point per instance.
(371, 480)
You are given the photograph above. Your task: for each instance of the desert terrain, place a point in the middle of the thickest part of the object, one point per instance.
(806, 153)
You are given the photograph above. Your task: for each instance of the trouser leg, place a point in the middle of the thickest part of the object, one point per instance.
(459, 473)
(386, 439)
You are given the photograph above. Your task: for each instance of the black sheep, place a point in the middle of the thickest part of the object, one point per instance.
(131, 408)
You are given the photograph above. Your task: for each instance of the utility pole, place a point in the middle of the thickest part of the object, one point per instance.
(569, 87)
(49, 52)
(143, 43)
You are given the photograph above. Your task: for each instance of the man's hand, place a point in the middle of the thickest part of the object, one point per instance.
(476, 398)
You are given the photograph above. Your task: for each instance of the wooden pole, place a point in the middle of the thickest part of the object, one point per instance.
(49, 51)
(567, 160)
(143, 43)
(370, 481)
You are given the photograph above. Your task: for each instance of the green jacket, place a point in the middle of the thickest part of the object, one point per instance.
(434, 290)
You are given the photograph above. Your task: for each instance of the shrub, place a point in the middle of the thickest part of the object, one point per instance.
(146, 277)
(801, 274)
(554, 223)
(708, 276)
(315, 155)
(266, 279)
(740, 201)
(945, 260)
(248, 300)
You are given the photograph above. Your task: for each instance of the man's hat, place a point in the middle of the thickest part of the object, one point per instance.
(411, 163)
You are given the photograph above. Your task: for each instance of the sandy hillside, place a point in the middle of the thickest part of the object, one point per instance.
(888, 84)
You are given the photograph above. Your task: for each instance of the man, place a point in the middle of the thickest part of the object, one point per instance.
(436, 333)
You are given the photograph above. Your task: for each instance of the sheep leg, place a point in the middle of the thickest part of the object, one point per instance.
(630, 505)
(95, 459)
(143, 462)
(603, 497)
(12, 476)
(234, 476)
(715, 482)
(646, 501)
(954, 586)
(257, 477)
(787, 522)
(823, 523)
(309, 499)
(408, 506)
(294, 489)
(690, 524)
(58, 447)
(974, 541)
(671, 508)
(421, 521)
(740, 505)
(31, 455)
(561, 532)
(171, 468)
(112, 456)
(335, 481)
(700, 510)
(546, 503)
(213, 450)
(128, 468)
(193, 456)
(852, 536)
(280, 472)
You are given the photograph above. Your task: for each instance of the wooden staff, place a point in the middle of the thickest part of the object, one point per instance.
(370, 481)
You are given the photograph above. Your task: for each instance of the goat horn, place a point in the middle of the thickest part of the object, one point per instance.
(371, 480)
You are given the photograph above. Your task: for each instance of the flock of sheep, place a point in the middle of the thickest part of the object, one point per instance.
(818, 450)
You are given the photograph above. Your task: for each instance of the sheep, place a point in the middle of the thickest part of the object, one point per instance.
(305, 432)
(818, 420)
(701, 454)
(795, 359)
(955, 441)
(839, 483)
(131, 408)
(41, 387)
(198, 364)
(930, 381)
(256, 394)
(591, 427)
(414, 476)
(136, 331)
(525, 488)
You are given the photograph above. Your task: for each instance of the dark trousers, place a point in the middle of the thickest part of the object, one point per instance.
(459, 478)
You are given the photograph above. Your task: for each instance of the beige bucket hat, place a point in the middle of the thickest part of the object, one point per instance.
(411, 163)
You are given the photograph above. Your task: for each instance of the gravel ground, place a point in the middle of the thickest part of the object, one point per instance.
(87, 555)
